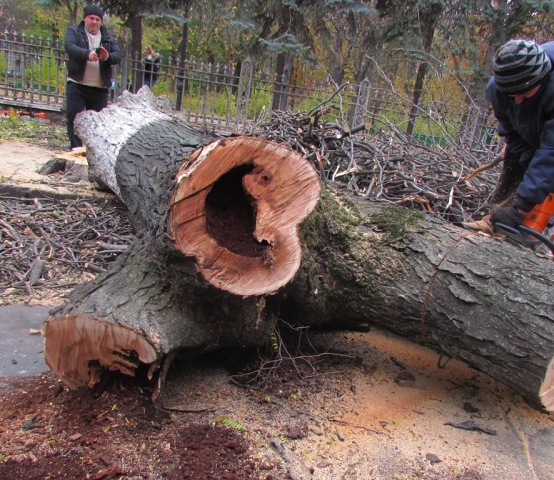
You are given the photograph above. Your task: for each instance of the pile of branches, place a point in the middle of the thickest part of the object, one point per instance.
(53, 244)
(387, 166)
(48, 244)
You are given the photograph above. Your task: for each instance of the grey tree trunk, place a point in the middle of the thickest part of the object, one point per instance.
(467, 296)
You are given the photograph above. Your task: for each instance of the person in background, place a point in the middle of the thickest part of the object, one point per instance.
(151, 62)
(521, 92)
(92, 52)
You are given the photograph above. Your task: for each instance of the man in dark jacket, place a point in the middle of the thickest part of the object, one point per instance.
(521, 92)
(92, 52)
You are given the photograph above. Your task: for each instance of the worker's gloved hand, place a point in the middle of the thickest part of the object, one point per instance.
(509, 216)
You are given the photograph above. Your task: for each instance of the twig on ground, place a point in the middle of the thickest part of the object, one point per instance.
(47, 244)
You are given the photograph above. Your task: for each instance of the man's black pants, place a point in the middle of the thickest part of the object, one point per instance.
(78, 99)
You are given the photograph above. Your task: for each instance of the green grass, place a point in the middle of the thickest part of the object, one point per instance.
(30, 130)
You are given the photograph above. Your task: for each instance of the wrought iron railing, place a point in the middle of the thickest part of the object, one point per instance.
(221, 97)
(32, 72)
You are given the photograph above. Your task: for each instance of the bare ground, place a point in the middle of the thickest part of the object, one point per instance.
(380, 410)
(354, 418)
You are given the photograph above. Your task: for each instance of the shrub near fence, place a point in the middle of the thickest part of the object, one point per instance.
(220, 97)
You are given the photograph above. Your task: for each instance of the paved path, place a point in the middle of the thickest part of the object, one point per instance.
(19, 165)
(21, 344)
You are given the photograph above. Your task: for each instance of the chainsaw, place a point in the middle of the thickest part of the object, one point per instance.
(533, 230)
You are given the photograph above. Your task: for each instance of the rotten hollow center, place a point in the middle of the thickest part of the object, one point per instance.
(231, 214)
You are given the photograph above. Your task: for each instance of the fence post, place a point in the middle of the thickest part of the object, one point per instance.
(358, 112)
(121, 72)
(245, 87)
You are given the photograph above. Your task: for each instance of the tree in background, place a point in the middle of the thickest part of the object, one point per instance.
(416, 46)
(283, 32)
(71, 5)
(414, 22)
(347, 36)
(221, 30)
(34, 17)
(217, 31)
(130, 12)
(181, 86)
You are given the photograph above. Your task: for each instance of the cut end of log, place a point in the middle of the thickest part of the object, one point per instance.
(237, 208)
(79, 348)
(547, 389)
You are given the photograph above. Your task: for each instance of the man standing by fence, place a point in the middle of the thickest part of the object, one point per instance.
(92, 52)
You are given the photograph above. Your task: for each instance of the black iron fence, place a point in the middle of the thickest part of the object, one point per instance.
(236, 98)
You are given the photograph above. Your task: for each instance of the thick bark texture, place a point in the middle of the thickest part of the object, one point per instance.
(467, 296)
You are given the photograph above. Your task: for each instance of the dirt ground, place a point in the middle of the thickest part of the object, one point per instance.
(371, 406)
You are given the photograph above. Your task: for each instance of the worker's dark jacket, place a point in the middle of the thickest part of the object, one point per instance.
(529, 132)
(76, 46)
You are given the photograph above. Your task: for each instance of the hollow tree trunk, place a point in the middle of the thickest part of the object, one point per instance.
(204, 275)
(232, 204)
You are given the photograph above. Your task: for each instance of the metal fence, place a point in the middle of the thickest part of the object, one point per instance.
(234, 98)
(32, 72)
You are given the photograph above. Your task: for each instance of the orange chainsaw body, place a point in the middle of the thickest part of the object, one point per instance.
(539, 216)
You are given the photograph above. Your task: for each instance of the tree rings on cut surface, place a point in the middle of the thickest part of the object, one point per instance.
(237, 208)
(79, 347)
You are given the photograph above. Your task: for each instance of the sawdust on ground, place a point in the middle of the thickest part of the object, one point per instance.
(382, 412)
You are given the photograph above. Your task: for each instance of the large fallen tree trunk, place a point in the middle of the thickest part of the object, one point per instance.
(220, 228)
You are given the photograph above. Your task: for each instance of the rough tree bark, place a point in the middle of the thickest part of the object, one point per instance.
(467, 296)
